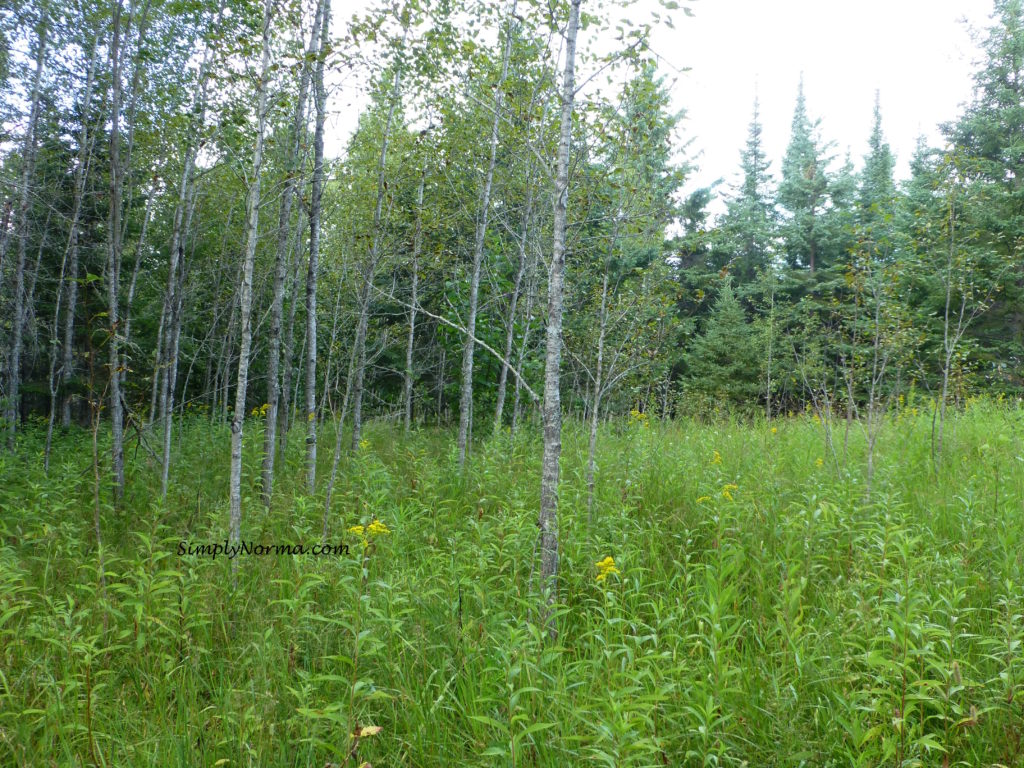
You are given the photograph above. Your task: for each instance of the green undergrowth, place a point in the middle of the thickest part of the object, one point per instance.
(766, 611)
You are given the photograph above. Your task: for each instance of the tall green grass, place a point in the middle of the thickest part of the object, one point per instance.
(766, 611)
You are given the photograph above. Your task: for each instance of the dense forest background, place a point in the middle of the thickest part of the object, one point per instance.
(785, 524)
(154, 154)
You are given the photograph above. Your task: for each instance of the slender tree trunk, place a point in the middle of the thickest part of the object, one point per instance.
(245, 292)
(531, 291)
(510, 331)
(771, 341)
(315, 206)
(466, 396)
(94, 421)
(548, 517)
(417, 241)
(440, 385)
(340, 430)
(595, 407)
(288, 353)
(114, 260)
(69, 266)
(155, 390)
(5, 231)
(33, 279)
(370, 270)
(281, 263)
(140, 247)
(949, 340)
(171, 312)
(325, 401)
(28, 166)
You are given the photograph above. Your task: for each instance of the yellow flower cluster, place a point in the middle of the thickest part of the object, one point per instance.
(775, 430)
(375, 528)
(727, 491)
(636, 417)
(702, 499)
(605, 567)
(364, 444)
(716, 458)
(260, 411)
(819, 462)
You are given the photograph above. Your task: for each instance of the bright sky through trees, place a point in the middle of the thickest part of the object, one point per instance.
(918, 53)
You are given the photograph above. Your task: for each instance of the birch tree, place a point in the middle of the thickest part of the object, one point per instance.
(552, 408)
(245, 289)
(315, 207)
(11, 412)
(466, 396)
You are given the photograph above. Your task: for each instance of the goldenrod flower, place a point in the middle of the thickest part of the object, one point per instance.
(716, 458)
(775, 430)
(636, 417)
(364, 444)
(377, 528)
(358, 530)
(605, 567)
(728, 489)
(702, 499)
(819, 462)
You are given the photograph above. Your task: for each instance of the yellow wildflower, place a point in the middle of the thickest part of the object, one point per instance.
(702, 499)
(377, 528)
(636, 417)
(775, 430)
(357, 530)
(819, 461)
(728, 489)
(605, 567)
(717, 458)
(364, 444)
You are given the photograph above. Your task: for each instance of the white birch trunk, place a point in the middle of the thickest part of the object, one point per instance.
(368, 273)
(12, 410)
(280, 263)
(552, 408)
(245, 297)
(316, 201)
(417, 241)
(466, 396)
(114, 260)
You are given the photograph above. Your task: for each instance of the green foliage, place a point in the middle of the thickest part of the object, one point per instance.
(762, 611)
(724, 363)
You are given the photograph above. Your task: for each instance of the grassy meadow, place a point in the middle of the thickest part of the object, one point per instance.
(761, 611)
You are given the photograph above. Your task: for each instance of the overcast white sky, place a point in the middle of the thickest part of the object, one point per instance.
(918, 53)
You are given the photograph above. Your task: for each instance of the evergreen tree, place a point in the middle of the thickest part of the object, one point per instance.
(804, 191)
(748, 227)
(725, 362)
(989, 141)
(877, 188)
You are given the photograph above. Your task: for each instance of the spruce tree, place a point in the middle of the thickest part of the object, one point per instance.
(804, 191)
(877, 189)
(725, 361)
(989, 144)
(748, 227)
